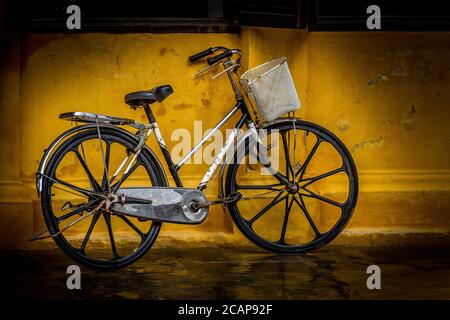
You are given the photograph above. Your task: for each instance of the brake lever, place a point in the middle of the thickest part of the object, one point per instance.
(206, 69)
(225, 70)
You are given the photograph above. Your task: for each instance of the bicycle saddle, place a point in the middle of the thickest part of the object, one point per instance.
(146, 97)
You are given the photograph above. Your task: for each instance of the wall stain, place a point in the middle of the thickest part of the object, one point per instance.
(343, 124)
(442, 74)
(161, 111)
(368, 144)
(423, 72)
(118, 62)
(182, 106)
(387, 123)
(400, 71)
(407, 121)
(69, 170)
(376, 79)
(164, 51)
(206, 102)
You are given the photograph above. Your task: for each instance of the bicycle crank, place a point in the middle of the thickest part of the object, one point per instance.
(173, 205)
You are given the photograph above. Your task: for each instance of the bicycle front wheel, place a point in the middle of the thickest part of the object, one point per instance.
(313, 207)
(78, 176)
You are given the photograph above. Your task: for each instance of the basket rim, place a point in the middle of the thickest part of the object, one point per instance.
(283, 60)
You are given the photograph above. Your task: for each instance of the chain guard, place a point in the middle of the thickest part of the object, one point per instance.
(173, 205)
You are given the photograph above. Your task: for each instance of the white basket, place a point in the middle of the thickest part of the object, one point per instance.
(272, 88)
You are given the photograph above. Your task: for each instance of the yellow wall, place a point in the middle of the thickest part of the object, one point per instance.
(386, 95)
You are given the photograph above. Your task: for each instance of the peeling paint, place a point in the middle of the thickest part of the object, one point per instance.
(407, 121)
(376, 79)
(368, 144)
(343, 124)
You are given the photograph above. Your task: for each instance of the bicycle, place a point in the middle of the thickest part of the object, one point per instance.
(249, 192)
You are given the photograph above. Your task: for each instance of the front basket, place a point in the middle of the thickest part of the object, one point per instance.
(272, 88)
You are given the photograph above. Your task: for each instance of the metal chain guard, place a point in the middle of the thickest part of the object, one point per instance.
(174, 205)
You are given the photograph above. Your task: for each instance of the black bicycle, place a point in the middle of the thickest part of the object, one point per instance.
(289, 185)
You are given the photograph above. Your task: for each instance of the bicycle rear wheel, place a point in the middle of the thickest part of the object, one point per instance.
(74, 182)
(313, 208)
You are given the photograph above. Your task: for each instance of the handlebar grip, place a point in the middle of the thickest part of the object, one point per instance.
(200, 55)
(219, 57)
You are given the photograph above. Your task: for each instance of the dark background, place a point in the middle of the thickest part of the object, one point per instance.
(229, 15)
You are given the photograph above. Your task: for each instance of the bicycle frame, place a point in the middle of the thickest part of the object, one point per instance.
(174, 168)
(245, 118)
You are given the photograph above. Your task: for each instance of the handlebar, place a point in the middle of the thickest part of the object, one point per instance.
(226, 53)
(230, 65)
(219, 57)
(200, 55)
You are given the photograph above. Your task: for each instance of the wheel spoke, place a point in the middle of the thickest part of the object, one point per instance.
(71, 192)
(76, 211)
(89, 232)
(321, 176)
(268, 165)
(105, 179)
(94, 184)
(287, 210)
(105, 166)
(319, 197)
(302, 169)
(132, 226)
(289, 169)
(86, 193)
(260, 187)
(117, 185)
(274, 202)
(111, 235)
(308, 216)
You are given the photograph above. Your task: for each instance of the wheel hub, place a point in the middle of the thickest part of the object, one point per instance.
(292, 188)
(110, 200)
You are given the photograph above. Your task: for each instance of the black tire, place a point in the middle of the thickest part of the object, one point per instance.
(156, 177)
(245, 225)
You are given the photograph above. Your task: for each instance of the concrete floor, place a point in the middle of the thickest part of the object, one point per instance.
(334, 272)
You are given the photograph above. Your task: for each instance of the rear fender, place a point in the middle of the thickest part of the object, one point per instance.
(49, 150)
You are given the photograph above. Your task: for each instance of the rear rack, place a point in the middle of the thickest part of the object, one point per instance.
(86, 117)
